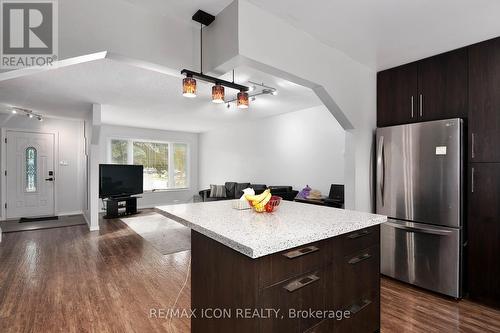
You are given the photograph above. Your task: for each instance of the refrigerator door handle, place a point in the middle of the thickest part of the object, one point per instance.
(420, 230)
(381, 167)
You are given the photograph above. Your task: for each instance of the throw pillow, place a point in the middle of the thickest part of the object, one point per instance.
(217, 191)
(238, 189)
(230, 190)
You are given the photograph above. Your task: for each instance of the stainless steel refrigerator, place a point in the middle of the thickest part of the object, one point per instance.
(419, 187)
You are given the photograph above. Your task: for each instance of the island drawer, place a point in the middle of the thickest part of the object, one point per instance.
(357, 277)
(304, 294)
(356, 240)
(281, 266)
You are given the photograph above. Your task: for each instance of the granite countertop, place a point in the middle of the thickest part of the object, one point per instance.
(258, 234)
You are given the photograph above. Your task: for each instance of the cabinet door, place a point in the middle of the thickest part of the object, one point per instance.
(484, 99)
(442, 86)
(397, 95)
(484, 233)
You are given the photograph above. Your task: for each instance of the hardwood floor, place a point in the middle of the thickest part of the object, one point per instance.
(72, 280)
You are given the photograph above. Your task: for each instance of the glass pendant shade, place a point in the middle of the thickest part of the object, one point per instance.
(218, 94)
(189, 87)
(242, 99)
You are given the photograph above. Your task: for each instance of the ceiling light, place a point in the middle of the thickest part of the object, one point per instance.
(14, 111)
(189, 82)
(189, 87)
(30, 115)
(242, 100)
(218, 94)
(275, 92)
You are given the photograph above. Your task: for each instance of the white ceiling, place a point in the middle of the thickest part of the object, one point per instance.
(377, 33)
(142, 98)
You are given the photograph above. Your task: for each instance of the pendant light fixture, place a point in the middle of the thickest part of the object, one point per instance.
(218, 94)
(242, 100)
(189, 87)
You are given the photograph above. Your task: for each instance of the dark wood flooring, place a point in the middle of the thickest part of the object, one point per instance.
(72, 280)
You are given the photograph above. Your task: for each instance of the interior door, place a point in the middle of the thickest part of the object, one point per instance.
(30, 174)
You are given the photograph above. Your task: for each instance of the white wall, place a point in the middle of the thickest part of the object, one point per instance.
(298, 148)
(346, 87)
(70, 178)
(151, 199)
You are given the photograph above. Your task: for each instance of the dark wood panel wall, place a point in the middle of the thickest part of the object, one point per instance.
(463, 83)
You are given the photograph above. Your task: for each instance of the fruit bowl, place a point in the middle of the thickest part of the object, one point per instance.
(273, 204)
(264, 202)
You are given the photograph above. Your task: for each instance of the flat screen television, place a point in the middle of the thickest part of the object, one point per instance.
(117, 180)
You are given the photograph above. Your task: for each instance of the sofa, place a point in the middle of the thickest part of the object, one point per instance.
(235, 191)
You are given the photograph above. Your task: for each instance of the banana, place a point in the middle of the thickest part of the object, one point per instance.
(255, 199)
(261, 206)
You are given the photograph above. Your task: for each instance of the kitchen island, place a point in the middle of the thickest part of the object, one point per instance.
(303, 268)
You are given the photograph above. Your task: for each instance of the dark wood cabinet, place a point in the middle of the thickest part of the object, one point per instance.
(331, 276)
(396, 95)
(484, 233)
(431, 89)
(442, 86)
(484, 99)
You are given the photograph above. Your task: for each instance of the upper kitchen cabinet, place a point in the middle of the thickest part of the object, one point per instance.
(442, 86)
(397, 95)
(484, 99)
(431, 89)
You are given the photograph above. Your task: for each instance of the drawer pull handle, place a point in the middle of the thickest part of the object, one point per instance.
(360, 258)
(301, 282)
(300, 252)
(355, 308)
(359, 234)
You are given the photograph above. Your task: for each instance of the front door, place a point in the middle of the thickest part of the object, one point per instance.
(30, 174)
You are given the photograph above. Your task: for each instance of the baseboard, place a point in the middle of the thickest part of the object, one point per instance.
(88, 224)
(76, 212)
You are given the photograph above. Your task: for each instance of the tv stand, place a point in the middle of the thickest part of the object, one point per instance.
(120, 206)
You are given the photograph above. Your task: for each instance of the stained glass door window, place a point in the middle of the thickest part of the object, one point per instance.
(31, 166)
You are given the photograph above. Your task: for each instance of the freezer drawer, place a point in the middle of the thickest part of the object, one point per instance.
(423, 255)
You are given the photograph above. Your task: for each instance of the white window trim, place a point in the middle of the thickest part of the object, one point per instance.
(171, 180)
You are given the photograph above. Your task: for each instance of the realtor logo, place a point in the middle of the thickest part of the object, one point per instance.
(29, 33)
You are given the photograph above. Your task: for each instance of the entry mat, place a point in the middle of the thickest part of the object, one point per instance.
(38, 219)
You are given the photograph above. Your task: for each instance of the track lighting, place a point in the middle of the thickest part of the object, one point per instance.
(28, 113)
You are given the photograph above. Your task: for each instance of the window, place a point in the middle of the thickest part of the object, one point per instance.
(165, 164)
(30, 161)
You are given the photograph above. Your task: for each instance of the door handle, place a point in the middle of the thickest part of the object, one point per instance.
(359, 234)
(51, 179)
(359, 258)
(412, 106)
(355, 308)
(472, 144)
(419, 230)
(381, 167)
(421, 105)
(301, 282)
(300, 252)
(472, 180)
